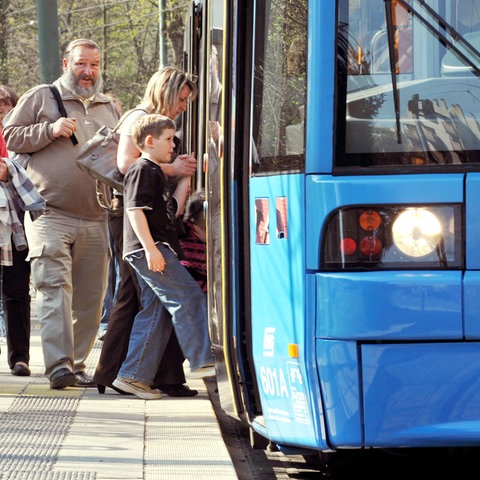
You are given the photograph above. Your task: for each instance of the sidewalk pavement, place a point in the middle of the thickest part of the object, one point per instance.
(78, 434)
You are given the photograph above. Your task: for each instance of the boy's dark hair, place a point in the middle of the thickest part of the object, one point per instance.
(153, 124)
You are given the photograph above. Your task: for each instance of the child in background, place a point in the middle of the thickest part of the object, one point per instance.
(193, 242)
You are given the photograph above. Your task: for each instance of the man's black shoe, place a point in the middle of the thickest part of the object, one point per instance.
(83, 380)
(177, 390)
(62, 378)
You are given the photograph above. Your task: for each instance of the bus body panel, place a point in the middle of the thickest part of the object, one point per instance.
(320, 87)
(278, 311)
(411, 394)
(411, 305)
(472, 201)
(471, 295)
(421, 393)
(339, 374)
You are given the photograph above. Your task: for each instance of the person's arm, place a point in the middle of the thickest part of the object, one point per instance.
(3, 147)
(30, 127)
(3, 165)
(138, 220)
(181, 194)
(127, 153)
(3, 170)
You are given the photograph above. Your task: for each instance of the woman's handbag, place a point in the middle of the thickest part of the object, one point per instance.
(98, 156)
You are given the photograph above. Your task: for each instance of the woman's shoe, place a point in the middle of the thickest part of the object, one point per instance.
(177, 390)
(101, 389)
(21, 369)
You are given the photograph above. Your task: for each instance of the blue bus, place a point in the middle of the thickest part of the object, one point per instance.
(339, 147)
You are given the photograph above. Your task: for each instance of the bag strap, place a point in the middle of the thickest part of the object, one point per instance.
(124, 117)
(61, 108)
(107, 200)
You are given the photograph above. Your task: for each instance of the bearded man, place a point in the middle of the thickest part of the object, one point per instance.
(68, 244)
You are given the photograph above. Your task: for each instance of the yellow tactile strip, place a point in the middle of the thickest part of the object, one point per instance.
(35, 385)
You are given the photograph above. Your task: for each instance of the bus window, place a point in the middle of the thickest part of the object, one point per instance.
(412, 91)
(279, 87)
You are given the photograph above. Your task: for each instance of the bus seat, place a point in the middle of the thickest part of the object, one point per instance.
(380, 55)
(452, 65)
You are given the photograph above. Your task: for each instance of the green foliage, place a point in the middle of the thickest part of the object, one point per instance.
(126, 30)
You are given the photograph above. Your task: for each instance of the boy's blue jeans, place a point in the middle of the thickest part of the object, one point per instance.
(179, 293)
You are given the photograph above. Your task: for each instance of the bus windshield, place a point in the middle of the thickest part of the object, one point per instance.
(409, 80)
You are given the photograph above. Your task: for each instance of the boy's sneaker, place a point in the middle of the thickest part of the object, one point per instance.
(141, 390)
(202, 372)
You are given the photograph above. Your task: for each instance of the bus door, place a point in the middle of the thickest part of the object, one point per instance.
(281, 316)
(224, 35)
(255, 183)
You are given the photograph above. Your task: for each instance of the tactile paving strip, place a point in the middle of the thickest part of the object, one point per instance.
(31, 435)
(48, 476)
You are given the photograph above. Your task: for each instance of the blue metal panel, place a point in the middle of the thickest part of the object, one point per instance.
(320, 86)
(471, 296)
(472, 221)
(390, 305)
(421, 394)
(278, 313)
(325, 193)
(339, 382)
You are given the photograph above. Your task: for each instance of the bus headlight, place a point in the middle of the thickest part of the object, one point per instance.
(376, 237)
(416, 232)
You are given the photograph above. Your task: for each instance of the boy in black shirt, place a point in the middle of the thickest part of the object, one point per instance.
(151, 246)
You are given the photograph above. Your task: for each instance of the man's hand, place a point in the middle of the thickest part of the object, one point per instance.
(64, 127)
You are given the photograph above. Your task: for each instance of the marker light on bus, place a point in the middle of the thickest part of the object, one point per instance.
(370, 246)
(370, 220)
(348, 246)
(377, 237)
